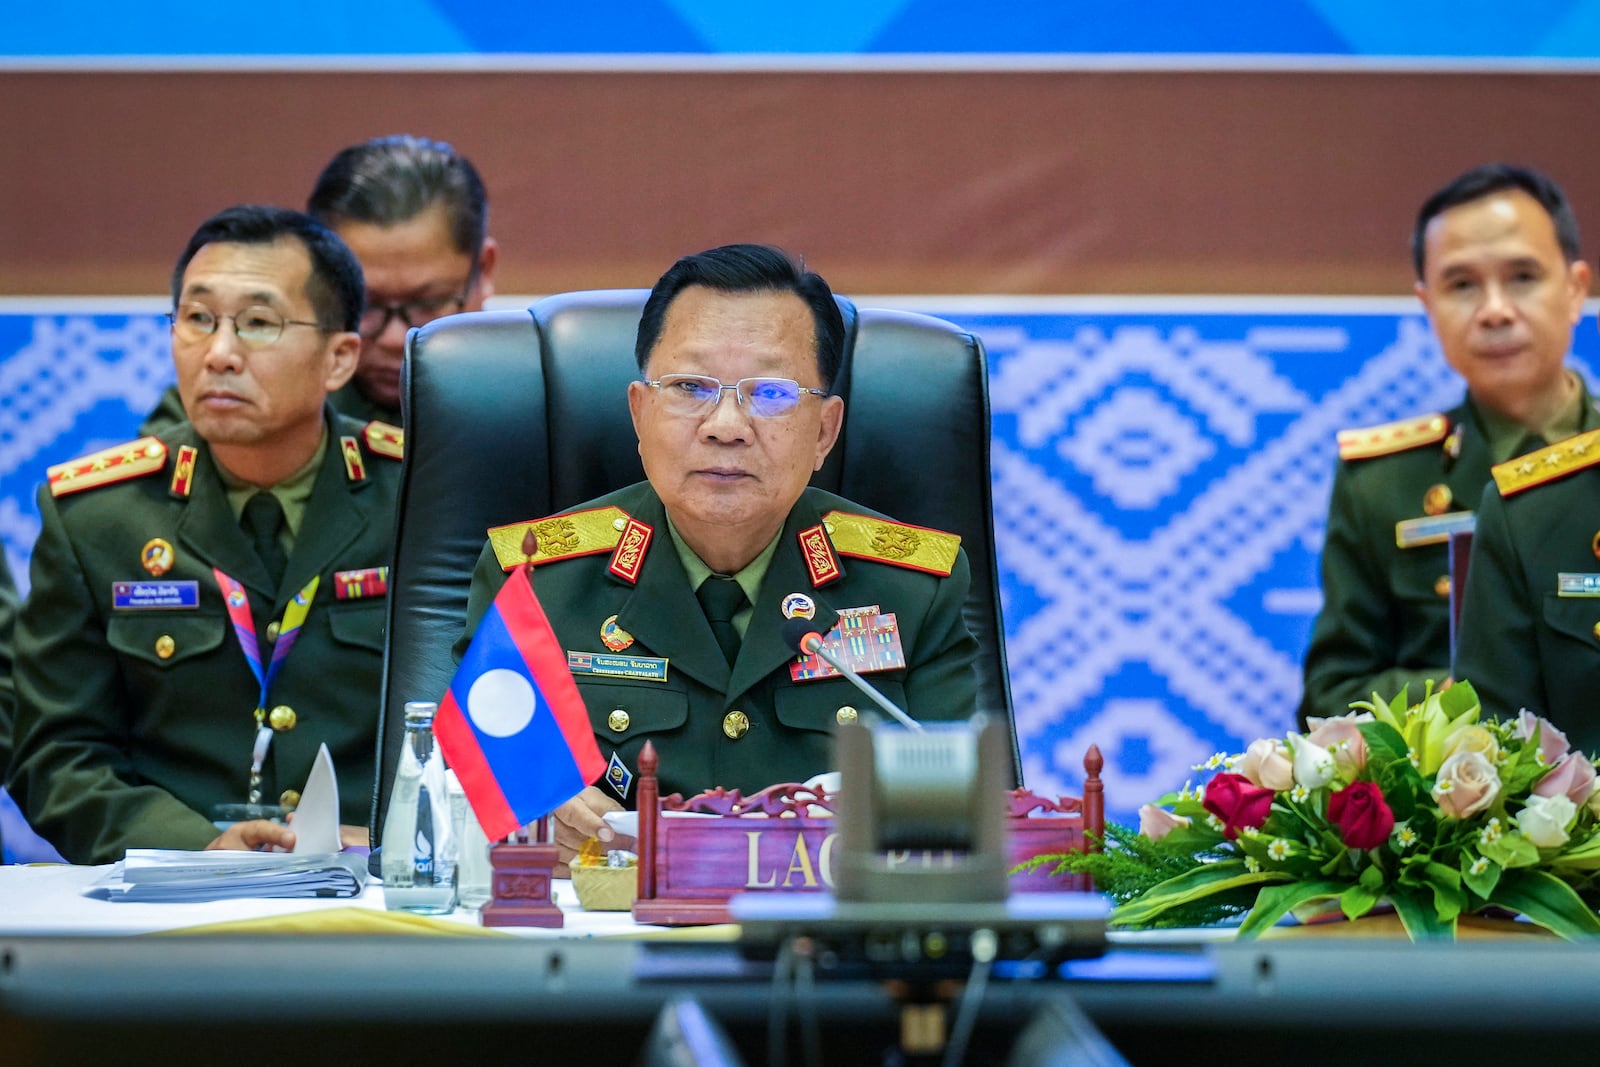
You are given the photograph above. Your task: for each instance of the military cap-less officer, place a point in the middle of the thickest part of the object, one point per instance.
(1530, 625)
(140, 705)
(1398, 492)
(738, 349)
(620, 592)
(1503, 281)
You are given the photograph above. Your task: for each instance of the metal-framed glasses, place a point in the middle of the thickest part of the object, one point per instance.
(695, 395)
(375, 319)
(256, 326)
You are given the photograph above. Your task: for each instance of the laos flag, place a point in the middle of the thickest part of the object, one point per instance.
(513, 726)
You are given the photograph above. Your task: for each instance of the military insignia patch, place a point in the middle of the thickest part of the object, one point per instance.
(144, 456)
(183, 472)
(362, 584)
(565, 536)
(157, 556)
(385, 440)
(618, 777)
(899, 544)
(355, 468)
(799, 606)
(1373, 441)
(630, 552)
(613, 636)
(1548, 464)
(865, 642)
(822, 563)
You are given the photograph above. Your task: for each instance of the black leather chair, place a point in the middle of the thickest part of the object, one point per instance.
(513, 415)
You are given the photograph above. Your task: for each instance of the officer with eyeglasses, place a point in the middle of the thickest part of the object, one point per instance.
(671, 596)
(415, 213)
(207, 604)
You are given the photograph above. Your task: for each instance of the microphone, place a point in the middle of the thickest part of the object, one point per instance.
(799, 635)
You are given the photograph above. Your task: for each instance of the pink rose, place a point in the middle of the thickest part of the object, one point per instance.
(1467, 783)
(1552, 742)
(1573, 778)
(1156, 822)
(1361, 814)
(1237, 802)
(1341, 736)
(1266, 763)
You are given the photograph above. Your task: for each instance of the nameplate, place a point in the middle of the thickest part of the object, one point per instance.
(605, 665)
(154, 596)
(1577, 585)
(1433, 529)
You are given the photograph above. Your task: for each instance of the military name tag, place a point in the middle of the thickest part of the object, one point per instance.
(1433, 529)
(863, 642)
(1569, 584)
(605, 665)
(154, 596)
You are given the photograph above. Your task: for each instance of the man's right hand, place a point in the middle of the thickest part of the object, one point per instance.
(254, 834)
(581, 818)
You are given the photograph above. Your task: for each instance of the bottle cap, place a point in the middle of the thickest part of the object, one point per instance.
(420, 712)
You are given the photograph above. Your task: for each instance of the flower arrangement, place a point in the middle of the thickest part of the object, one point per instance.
(1420, 806)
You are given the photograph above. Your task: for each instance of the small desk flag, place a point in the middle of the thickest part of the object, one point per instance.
(512, 725)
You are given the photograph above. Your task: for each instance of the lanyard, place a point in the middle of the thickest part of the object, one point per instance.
(244, 626)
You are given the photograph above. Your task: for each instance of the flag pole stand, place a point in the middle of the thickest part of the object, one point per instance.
(521, 884)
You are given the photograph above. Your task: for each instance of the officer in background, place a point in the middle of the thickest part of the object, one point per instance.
(1503, 281)
(416, 215)
(670, 596)
(207, 603)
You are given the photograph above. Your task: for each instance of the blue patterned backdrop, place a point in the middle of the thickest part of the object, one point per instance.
(1161, 479)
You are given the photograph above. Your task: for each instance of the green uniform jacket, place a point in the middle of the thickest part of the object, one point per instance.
(348, 400)
(1521, 643)
(119, 746)
(8, 692)
(791, 723)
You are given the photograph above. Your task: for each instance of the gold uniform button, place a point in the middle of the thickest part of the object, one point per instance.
(619, 524)
(289, 798)
(846, 714)
(1597, 629)
(735, 724)
(272, 632)
(1437, 500)
(166, 646)
(1441, 585)
(618, 721)
(282, 717)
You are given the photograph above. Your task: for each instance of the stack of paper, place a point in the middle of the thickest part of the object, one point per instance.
(158, 875)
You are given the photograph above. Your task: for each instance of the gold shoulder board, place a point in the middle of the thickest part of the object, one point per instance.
(575, 533)
(915, 547)
(144, 456)
(1548, 464)
(385, 440)
(1392, 437)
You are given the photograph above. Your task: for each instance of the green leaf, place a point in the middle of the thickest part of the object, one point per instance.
(1510, 849)
(1357, 901)
(1384, 743)
(1459, 701)
(1276, 901)
(1484, 881)
(1201, 882)
(1422, 922)
(1372, 878)
(1448, 899)
(1548, 901)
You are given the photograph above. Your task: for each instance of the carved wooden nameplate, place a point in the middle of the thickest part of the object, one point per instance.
(694, 854)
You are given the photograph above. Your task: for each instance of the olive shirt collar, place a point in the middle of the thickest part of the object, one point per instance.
(749, 577)
(292, 493)
(1507, 437)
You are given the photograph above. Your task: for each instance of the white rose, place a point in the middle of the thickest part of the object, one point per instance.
(1544, 821)
(1313, 764)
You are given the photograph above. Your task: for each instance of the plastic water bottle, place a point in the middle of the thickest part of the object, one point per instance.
(473, 872)
(419, 855)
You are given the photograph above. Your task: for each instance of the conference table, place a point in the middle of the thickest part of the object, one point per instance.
(346, 980)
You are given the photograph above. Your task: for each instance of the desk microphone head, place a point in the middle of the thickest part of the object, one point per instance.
(801, 636)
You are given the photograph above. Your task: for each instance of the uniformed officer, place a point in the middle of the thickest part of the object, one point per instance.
(670, 596)
(1503, 282)
(1530, 624)
(415, 213)
(206, 604)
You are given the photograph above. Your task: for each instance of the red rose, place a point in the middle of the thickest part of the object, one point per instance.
(1239, 804)
(1362, 815)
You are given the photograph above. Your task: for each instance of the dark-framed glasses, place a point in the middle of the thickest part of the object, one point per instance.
(257, 326)
(695, 395)
(376, 318)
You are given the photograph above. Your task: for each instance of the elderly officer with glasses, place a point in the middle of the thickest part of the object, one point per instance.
(416, 215)
(671, 596)
(207, 604)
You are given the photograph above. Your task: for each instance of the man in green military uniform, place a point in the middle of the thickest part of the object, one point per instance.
(1530, 624)
(1503, 281)
(207, 604)
(416, 215)
(671, 596)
